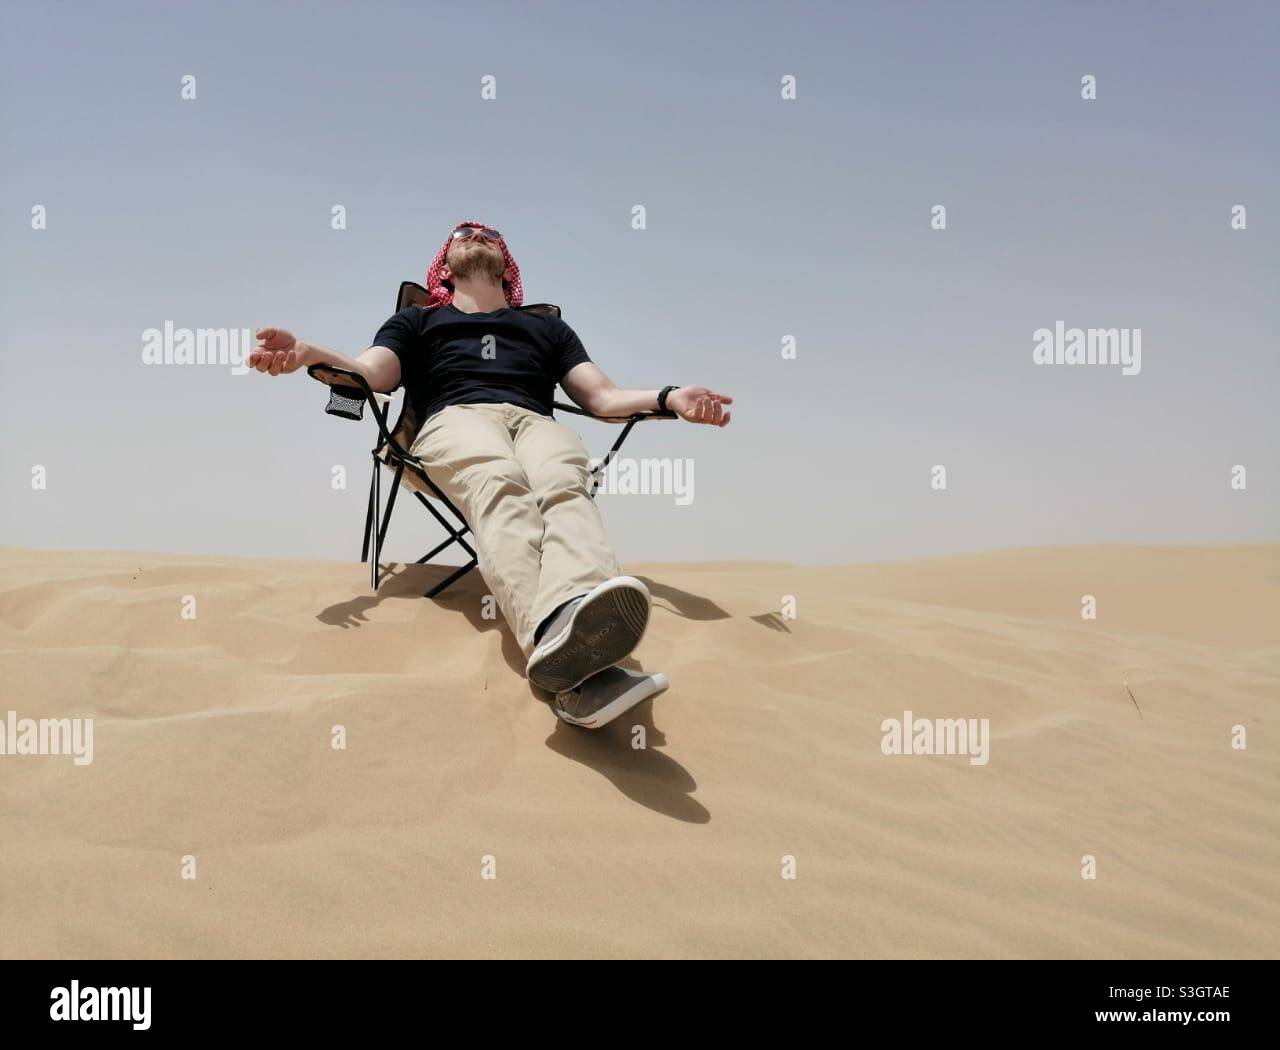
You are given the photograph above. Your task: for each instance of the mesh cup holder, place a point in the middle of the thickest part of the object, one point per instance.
(345, 401)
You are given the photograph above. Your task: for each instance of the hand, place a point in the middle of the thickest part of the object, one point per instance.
(697, 404)
(278, 353)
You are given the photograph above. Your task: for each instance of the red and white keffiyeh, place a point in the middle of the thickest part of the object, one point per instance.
(440, 294)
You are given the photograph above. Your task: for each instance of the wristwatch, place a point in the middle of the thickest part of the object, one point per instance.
(662, 397)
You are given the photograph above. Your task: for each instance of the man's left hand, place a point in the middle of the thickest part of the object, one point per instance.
(698, 404)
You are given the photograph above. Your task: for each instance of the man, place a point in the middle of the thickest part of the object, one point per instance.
(484, 376)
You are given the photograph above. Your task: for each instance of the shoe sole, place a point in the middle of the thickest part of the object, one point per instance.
(639, 693)
(606, 626)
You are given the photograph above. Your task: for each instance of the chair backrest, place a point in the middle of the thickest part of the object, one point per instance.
(413, 294)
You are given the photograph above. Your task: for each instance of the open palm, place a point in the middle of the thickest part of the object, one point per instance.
(276, 352)
(700, 404)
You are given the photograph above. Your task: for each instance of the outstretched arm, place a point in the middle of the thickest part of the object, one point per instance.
(279, 353)
(595, 392)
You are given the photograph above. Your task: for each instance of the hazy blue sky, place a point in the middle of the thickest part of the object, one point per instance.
(765, 217)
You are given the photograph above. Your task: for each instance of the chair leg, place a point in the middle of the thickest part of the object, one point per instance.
(454, 532)
(380, 528)
(377, 543)
(449, 579)
(457, 538)
(598, 472)
(370, 514)
(391, 505)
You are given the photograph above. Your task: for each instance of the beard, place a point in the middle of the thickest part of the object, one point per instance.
(477, 259)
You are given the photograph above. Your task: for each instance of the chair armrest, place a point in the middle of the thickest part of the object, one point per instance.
(635, 417)
(339, 378)
(348, 393)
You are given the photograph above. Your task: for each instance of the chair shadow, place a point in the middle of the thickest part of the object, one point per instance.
(683, 603)
(646, 776)
(399, 581)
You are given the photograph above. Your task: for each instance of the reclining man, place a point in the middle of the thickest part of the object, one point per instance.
(484, 375)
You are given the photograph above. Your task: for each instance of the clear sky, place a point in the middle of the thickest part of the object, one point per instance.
(766, 217)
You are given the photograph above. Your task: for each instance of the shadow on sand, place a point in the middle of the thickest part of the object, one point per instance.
(683, 603)
(773, 621)
(645, 776)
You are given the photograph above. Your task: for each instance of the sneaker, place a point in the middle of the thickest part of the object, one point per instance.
(605, 696)
(589, 634)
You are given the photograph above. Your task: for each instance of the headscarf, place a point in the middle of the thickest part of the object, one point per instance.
(440, 294)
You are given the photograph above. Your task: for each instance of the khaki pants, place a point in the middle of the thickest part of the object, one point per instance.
(523, 483)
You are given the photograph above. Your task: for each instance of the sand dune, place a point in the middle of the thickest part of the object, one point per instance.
(212, 740)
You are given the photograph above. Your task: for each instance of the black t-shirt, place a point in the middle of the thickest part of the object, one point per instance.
(448, 357)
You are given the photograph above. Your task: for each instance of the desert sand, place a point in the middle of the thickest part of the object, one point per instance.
(212, 740)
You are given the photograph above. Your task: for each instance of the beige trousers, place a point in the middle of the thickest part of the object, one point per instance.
(523, 483)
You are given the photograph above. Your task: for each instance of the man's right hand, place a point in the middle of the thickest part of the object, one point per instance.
(277, 353)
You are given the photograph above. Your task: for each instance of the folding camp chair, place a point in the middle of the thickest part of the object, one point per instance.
(349, 392)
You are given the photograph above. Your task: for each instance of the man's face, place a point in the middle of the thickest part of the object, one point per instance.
(472, 255)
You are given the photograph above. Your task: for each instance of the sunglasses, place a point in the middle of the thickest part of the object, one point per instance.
(467, 231)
